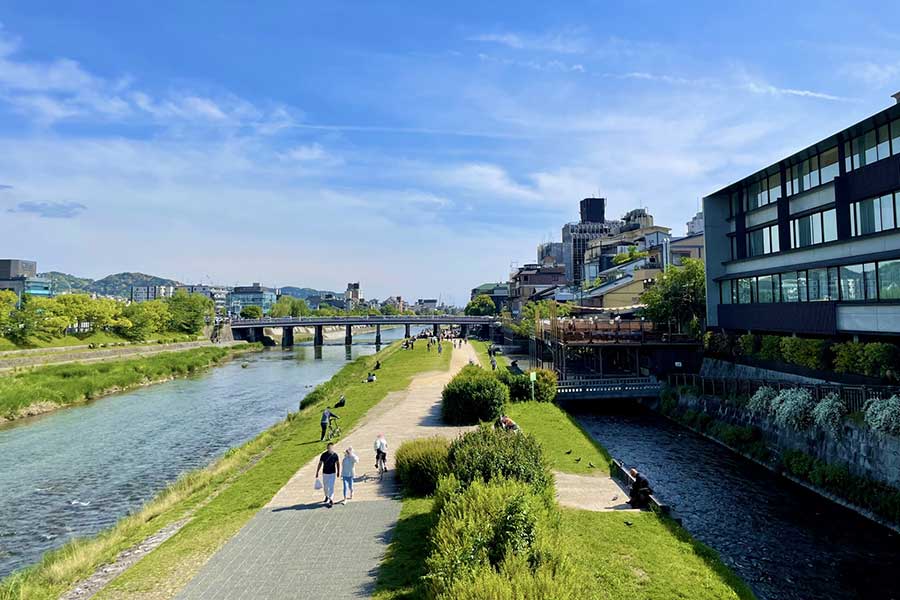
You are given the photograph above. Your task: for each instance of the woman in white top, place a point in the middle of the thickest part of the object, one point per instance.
(347, 474)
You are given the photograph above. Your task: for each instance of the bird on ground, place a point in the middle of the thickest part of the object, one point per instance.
(629, 523)
(578, 459)
(592, 465)
(568, 451)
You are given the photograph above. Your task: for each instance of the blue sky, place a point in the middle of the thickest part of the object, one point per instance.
(419, 148)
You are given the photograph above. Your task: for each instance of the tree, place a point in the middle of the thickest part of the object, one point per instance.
(146, 319)
(23, 322)
(8, 302)
(679, 296)
(389, 310)
(188, 313)
(531, 311)
(481, 305)
(251, 312)
(632, 254)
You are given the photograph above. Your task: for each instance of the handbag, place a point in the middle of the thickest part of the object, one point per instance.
(318, 484)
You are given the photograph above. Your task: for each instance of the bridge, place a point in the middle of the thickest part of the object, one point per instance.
(610, 387)
(252, 329)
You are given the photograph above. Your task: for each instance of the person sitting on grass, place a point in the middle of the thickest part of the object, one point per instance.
(506, 424)
(639, 494)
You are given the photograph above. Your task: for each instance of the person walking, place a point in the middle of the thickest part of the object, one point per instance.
(381, 448)
(329, 465)
(327, 416)
(348, 473)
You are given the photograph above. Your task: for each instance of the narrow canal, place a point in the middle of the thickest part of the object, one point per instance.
(784, 541)
(77, 471)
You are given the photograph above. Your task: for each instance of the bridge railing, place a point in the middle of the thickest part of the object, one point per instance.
(374, 320)
(607, 385)
(854, 396)
(600, 331)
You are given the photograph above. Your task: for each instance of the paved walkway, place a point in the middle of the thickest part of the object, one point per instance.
(590, 492)
(295, 547)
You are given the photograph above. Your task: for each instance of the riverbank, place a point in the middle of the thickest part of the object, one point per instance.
(45, 389)
(214, 502)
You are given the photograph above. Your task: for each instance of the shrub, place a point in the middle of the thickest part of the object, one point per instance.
(717, 343)
(848, 357)
(804, 353)
(487, 453)
(829, 413)
(483, 527)
(668, 400)
(879, 359)
(747, 343)
(518, 385)
(760, 403)
(797, 463)
(770, 348)
(545, 385)
(420, 463)
(795, 408)
(883, 416)
(473, 395)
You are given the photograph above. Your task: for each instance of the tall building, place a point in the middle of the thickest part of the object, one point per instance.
(499, 293)
(251, 295)
(575, 236)
(531, 279)
(695, 225)
(352, 296)
(143, 293)
(810, 244)
(20, 276)
(550, 253)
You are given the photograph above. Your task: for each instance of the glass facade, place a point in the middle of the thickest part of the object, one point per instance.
(873, 215)
(763, 240)
(872, 146)
(814, 228)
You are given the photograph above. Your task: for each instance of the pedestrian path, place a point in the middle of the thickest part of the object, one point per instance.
(295, 547)
(587, 492)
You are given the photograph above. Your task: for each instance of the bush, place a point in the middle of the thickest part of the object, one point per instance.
(829, 413)
(717, 343)
(545, 386)
(875, 359)
(804, 353)
(747, 344)
(483, 527)
(473, 395)
(760, 403)
(421, 463)
(518, 385)
(848, 357)
(883, 416)
(795, 407)
(488, 453)
(797, 463)
(770, 348)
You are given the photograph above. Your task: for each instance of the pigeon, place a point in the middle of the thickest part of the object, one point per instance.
(629, 523)
(578, 459)
(568, 451)
(592, 465)
(614, 498)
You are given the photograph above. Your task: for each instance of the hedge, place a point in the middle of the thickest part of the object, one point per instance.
(473, 395)
(804, 352)
(875, 359)
(488, 453)
(420, 463)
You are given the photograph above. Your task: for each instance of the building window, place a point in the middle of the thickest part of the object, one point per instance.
(889, 280)
(764, 285)
(852, 283)
(789, 291)
(763, 241)
(828, 165)
(814, 229)
(872, 146)
(873, 215)
(895, 136)
(744, 296)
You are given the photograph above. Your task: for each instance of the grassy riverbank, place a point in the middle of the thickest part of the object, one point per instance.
(485, 360)
(98, 338)
(220, 499)
(44, 389)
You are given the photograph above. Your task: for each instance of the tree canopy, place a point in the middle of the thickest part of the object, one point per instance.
(679, 296)
(531, 311)
(481, 305)
(251, 312)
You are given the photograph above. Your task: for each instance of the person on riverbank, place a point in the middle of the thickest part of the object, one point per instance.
(348, 473)
(381, 448)
(329, 465)
(327, 416)
(639, 494)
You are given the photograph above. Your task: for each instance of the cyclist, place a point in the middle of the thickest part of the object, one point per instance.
(381, 447)
(327, 417)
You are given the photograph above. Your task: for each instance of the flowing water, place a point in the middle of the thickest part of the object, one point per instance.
(786, 542)
(77, 471)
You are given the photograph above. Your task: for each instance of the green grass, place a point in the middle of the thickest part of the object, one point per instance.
(399, 577)
(558, 432)
(239, 484)
(61, 385)
(97, 338)
(485, 360)
(654, 558)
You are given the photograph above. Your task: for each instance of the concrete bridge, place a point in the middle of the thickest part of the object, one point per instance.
(252, 329)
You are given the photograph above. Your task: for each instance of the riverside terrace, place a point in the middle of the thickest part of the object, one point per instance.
(252, 329)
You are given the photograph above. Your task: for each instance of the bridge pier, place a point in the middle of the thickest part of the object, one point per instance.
(406, 335)
(437, 330)
(348, 335)
(378, 335)
(319, 336)
(463, 331)
(287, 337)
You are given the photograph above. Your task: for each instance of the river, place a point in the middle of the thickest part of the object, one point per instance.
(786, 542)
(76, 471)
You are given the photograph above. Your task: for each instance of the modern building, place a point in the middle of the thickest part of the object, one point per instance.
(218, 294)
(530, 279)
(327, 300)
(426, 305)
(637, 233)
(550, 253)
(143, 293)
(695, 225)
(576, 236)
(810, 244)
(395, 301)
(352, 296)
(20, 276)
(499, 293)
(251, 295)
(689, 246)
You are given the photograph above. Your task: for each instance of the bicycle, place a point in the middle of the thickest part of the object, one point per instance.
(379, 463)
(334, 430)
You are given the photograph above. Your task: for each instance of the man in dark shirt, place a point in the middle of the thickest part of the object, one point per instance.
(330, 465)
(639, 494)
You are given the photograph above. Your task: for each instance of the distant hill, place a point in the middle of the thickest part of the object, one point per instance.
(304, 293)
(111, 285)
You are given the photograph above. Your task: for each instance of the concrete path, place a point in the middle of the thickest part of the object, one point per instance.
(297, 548)
(598, 493)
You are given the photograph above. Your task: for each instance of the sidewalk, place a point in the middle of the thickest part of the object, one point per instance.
(295, 547)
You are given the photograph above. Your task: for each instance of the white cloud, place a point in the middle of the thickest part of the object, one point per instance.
(570, 41)
(874, 74)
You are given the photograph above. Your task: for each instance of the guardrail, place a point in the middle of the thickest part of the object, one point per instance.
(855, 396)
(608, 387)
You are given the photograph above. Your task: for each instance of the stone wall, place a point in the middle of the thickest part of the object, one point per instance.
(865, 452)
(713, 367)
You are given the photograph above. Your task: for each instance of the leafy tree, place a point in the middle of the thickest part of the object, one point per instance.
(389, 310)
(188, 313)
(23, 322)
(8, 302)
(632, 254)
(251, 312)
(481, 305)
(679, 296)
(531, 311)
(145, 318)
